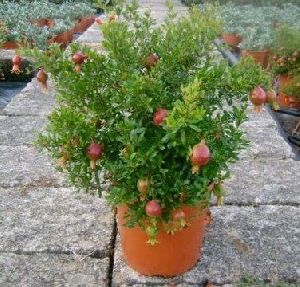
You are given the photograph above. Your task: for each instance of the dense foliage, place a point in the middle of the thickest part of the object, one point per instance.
(112, 102)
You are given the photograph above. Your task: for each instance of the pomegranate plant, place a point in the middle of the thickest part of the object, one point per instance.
(169, 131)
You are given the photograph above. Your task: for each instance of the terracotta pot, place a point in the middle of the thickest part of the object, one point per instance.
(70, 35)
(231, 39)
(83, 24)
(78, 27)
(62, 39)
(260, 57)
(174, 254)
(283, 99)
(10, 45)
(51, 41)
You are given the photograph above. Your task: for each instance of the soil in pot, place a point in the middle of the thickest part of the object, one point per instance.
(70, 35)
(174, 254)
(231, 39)
(260, 57)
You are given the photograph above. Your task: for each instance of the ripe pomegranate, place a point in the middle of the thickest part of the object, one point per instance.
(160, 116)
(153, 208)
(143, 185)
(78, 58)
(94, 152)
(42, 78)
(99, 21)
(200, 156)
(151, 61)
(16, 61)
(258, 97)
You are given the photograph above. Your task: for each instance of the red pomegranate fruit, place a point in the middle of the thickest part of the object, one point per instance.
(16, 61)
(94, 152)
(153, 208)
(99, 21)
(42, 78)
(78, 58)
(151, 61)
(200, 156)
(160, 116)
(258, 98)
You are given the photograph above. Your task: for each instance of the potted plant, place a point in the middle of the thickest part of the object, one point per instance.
(81, 13)
(62, 32)
(8, 41)
(158, 116)
(290, 92)
(232, 17)
(256, 43)
(286, 61)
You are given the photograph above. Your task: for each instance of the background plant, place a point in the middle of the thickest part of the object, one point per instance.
(286, 50)
(113, 99)
(20, 19)
(292, 88)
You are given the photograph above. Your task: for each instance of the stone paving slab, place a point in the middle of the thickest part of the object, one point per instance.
(54, 220)
(48, 270)
(31, 101)
(20, 130)
(265, 143)
(24, 165)
(241, 241)
(265, 138)
(91, 36)
(264, 181)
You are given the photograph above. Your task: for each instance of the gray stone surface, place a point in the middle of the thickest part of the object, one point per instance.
(90, 36)
(261, 242)
(31, 101)
(265, 138)
(17, 130)
(49, 270)
(24, 165)
(54, 220)
(264, 181)
(273, 148)
(7, 54)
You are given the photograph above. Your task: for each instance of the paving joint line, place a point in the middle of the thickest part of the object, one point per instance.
(112, 251)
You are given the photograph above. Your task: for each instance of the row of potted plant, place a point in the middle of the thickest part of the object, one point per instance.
(271, 35)
(40, 23)
(159, 116)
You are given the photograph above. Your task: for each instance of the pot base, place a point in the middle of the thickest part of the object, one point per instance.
(173, 255)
